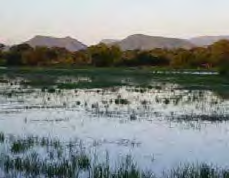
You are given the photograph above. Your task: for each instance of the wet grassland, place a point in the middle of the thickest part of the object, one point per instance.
(113, 123)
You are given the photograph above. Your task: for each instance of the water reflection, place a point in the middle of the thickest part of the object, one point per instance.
(160, 120)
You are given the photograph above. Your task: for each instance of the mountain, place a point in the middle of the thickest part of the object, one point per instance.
(207, 40)
(145, 42)
(109, 41)
(69, 43)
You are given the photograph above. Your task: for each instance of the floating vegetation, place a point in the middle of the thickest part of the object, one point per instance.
(144, 102)
(133, 117)
(4, 81)
(51, 90)
(202, 117)
(166, 101)
(121, 101)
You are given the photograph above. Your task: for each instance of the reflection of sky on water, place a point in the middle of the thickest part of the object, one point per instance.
(144, 126)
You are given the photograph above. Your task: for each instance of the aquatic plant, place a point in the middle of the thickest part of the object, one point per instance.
(75, 162)
(2, 137)
(121, 101)
(19, 146)
(51, 90)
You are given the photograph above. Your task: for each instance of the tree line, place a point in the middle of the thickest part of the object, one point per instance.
(101, 55)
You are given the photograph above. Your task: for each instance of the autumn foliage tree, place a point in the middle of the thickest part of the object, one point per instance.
(220, 55)
(15, 55)
(101, 55)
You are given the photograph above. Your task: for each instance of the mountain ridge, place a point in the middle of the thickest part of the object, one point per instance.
(207, 40)
(132, 42)
(69, 43)
(147, 42)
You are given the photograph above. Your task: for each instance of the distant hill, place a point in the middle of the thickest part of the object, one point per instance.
(145, 42)
(69, 43)
(109, 41)
(207, 40)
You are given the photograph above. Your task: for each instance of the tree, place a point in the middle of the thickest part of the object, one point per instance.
(60, 55)
(81, 58)
(220, 53)
(201, 57)
(1, 54)
(220, 56)
(216, 55)
(102, 55)
(15, 55)
(148, 58)
(2, 47)
(39, 56)
(182, 58)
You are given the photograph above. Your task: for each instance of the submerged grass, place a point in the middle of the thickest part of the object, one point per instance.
(198, 171)
(209, 118)
(19, 146)
(23, 158)
(75, 163)
(2, 137)
(121, 101)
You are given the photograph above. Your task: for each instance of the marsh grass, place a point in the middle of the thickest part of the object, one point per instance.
(208, 118)
(121, 101)
(83, 161)
(22, 159)
(73, 162)
(67, 159)
(51, 90)
(197, 171)
(2, 137)
(20, 146)
(67, 86)
(110, 77)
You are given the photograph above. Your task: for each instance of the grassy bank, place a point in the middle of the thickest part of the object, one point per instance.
(164, 74)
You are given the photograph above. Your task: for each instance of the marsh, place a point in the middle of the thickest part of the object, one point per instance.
(160, 120)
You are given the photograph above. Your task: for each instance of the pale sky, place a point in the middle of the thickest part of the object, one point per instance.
(92, 20)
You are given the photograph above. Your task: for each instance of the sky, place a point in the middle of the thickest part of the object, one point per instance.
(92, 20)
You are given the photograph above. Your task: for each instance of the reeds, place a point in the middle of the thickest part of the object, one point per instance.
(69, 160)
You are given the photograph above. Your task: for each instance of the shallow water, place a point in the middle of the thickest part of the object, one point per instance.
(161, 126)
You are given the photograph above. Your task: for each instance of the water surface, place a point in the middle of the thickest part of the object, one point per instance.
(162, 121)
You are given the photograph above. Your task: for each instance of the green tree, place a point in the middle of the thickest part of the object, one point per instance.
(1, 54)
(81, 58)
(220, 53)
(15, 55)
(201, 57)
(182, 58)
(102, 55)
(2, 47)
(147, 58)
(220, 56)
